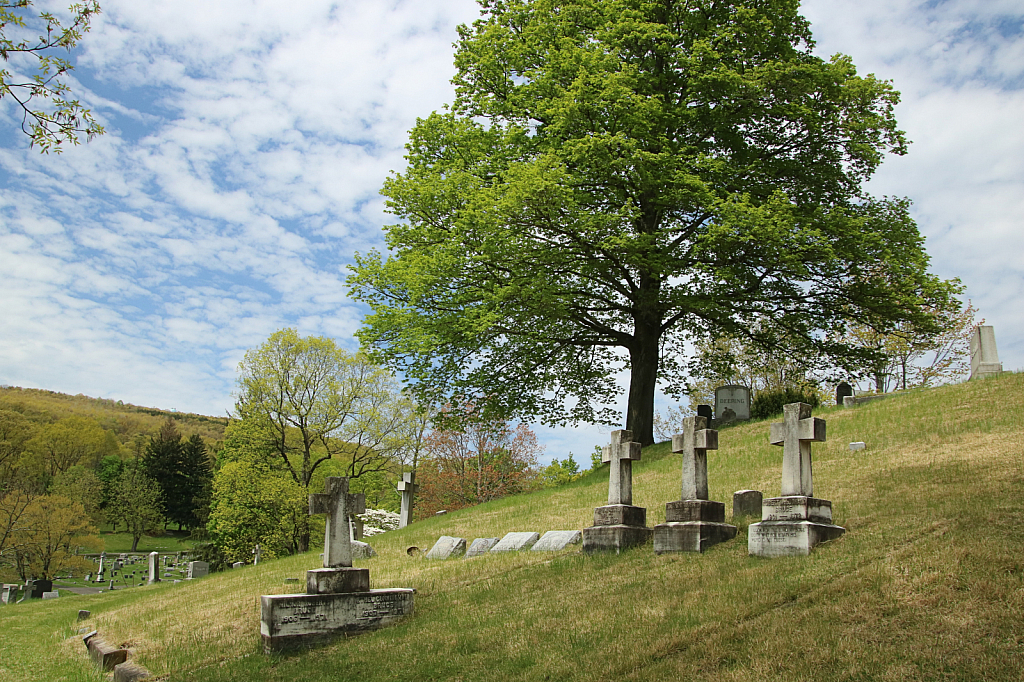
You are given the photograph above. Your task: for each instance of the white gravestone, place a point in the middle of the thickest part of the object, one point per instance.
(557, 540)
(338, 597)
(256, 556)
(516, 541)
(732, 403)
(618, 525)
(984, 356)
(693, 523)
(792, 525)
(447, 547)
(480, 546)
(408, 487)
(154, 569)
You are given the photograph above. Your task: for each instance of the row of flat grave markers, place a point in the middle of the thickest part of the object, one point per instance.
(792, 524)
(449, 547)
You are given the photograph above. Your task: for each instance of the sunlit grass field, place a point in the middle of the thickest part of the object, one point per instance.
(927, 583)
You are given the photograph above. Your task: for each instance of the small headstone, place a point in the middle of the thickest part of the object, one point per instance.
(984, 356)
(9, 594)
(557, 540)
(239, 564)
(732, 403)
(51, 595)
(197, 569)
(130, 672)
(859, 445)
(843, 389)
(362, 550)
(83, 614)
(707, 412)
(154, 576)
(516, 542)
(480, 546)
(447, 547)
(104, 655)
(747, 503)
(441, 513)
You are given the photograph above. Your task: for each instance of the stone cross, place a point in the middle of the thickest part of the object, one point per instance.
(693, 443)
(357, 505)
(408, 487)
(256, 556)
(620, 455)
(336, 503)
(795, 434)
(154, 568)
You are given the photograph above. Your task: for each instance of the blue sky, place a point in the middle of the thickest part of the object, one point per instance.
(248, 140)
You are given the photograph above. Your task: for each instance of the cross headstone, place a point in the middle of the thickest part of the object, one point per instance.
(795, 434)
(335, 503)
(357, 506)
(693, 443)
(620, 455)
(408, 487)
(256, 555)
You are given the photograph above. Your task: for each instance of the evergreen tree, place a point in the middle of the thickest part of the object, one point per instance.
(198, 475)
(164, 463)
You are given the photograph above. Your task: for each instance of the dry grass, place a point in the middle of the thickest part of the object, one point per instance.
(927, 584)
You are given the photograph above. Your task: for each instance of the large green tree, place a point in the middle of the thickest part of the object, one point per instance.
(616, 177)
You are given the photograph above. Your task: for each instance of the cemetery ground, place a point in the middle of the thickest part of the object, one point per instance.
(926, 584)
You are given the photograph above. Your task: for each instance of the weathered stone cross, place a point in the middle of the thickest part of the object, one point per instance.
(693, 443)
(621, 454)
(795, 434)
(408, 487)
(337, 503)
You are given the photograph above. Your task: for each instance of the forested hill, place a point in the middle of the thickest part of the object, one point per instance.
(124, 420)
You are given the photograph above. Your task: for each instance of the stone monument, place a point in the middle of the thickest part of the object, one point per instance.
(256, 555)
(408, 487)
(99, 574)
(984, 356)
(693, 523)
(618, 524)
(732, 403)
(197, 569)
(793, 524)
(338, 597)
(154, 569)
(843, 389)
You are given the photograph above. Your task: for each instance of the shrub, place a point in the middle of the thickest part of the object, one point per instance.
(378, 521)
(768, 402)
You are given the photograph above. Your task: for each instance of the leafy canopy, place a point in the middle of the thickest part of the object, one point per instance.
(616, 177)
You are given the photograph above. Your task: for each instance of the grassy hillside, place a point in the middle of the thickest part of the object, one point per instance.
(927, 583)
(124, 419)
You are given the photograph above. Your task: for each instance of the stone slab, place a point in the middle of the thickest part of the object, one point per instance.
(337, 580)
(614, 538)
(682, 511)
(797, 508)
(692, 536)
(447, 547)
(362, 550)
(858, 445)
(104, 655)
(130, 672)
(480, 546)
(620, 515)
(51, 595)
(294, 621)
(516, 542)
(198, 569)
(557, 540)
(747, 503)
(788, 538)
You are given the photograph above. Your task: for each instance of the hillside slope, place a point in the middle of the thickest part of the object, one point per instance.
(927, 583)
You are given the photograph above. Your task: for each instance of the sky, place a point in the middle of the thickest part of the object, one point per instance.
(248, 139)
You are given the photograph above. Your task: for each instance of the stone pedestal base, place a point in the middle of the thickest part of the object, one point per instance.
(692, 526)
(792, 526)
(290, 621)
(616, 527)
(337, 580)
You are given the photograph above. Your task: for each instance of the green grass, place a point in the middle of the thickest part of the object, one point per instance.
(171, 541)
(927, 583)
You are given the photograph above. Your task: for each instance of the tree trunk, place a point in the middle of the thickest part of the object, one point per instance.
(643, 378)
(135, 542)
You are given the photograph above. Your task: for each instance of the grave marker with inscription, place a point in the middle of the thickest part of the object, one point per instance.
(793, 524)
(338, 597)
(693, 523)
(732, 403)
(618, 525)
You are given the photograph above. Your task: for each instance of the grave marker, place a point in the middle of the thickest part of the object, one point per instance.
(447, 547)
(843, 389)
(984, 355)
(197, 569)
(479, 547)
(153, 575)
(557, 540)
(792, 525)
(256, 555)
(747, 503)
(618, 525)
(408, 487)
(732, 403)
(693, 523)
(516, 541)
(338, 597)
